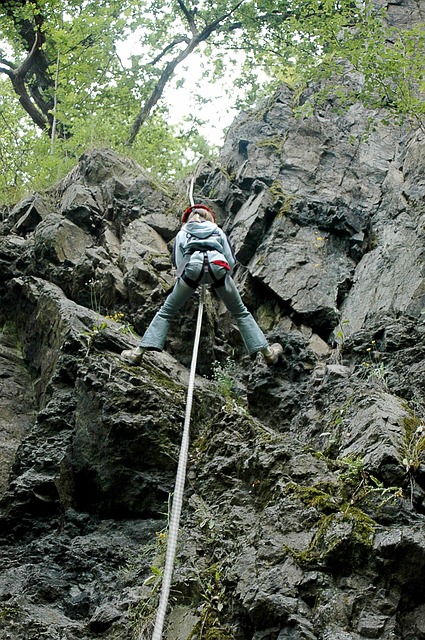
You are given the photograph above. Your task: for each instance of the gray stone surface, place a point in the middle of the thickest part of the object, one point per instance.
(303, 515)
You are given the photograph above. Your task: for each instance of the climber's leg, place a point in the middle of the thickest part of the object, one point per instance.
(155, 334)
(252, 335)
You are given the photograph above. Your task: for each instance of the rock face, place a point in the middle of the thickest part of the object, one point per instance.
(304, 508)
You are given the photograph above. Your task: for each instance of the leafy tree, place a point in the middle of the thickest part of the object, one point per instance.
(60, 59)
(366, 59)
(66, 61)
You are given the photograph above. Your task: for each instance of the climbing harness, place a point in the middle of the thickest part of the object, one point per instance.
(205, 271)
(173, 529)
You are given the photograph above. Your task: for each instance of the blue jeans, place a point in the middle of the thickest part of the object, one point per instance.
(252, 335)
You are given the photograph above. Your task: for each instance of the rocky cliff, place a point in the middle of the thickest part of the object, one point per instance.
(304, 507)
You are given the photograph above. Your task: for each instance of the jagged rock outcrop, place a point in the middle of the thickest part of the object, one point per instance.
(304, 508)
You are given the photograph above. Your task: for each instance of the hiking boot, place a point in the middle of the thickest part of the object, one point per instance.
(271, 353)
(132, 356)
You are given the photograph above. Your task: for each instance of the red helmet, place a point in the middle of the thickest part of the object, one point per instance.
(195, 206)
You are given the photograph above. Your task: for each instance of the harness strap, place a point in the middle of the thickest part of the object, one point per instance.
(182, 265)
(219, 283)
(206, 268)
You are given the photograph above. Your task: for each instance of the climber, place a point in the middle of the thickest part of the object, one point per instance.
(202, 255)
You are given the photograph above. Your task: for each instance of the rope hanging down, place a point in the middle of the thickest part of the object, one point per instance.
(173, 529)
(191, 200)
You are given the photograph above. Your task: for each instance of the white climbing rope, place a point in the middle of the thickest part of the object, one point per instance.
(192, 184)
(173, 529)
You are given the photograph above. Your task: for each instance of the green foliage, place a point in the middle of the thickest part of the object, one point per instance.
(329, 537)
(154, 580)
(386, 61)
(224, 376)
(340, 334)
(413, 444)
(91, 96)
(28, 162)
(124, 326)
(215, 602)
(87, 93)
(9, 613)
(142, 615)
(103, 323)
(213, 591)
(412, 447)
(373, 368)
(342, 503)
(357, 486)
(25, 159)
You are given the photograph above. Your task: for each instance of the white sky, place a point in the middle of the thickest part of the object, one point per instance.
(218, 114)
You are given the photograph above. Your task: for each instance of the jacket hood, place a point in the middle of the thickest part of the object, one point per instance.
(200, 230)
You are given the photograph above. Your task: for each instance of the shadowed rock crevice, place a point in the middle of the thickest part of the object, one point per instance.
(17, 401)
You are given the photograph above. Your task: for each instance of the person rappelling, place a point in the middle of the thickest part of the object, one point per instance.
(202, 254)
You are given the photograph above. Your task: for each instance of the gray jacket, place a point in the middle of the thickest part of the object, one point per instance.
(201, 236)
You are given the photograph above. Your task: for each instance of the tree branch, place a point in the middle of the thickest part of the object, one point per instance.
(26, 65)
(158, 91)
(189, 15)
(168, 48)
(8, 64)
(17, 77)
(31, 79)
(208, 30)
(37, 117)
(8, 72)
(168, 71)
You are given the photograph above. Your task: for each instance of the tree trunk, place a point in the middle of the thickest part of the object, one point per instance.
(31, 81)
